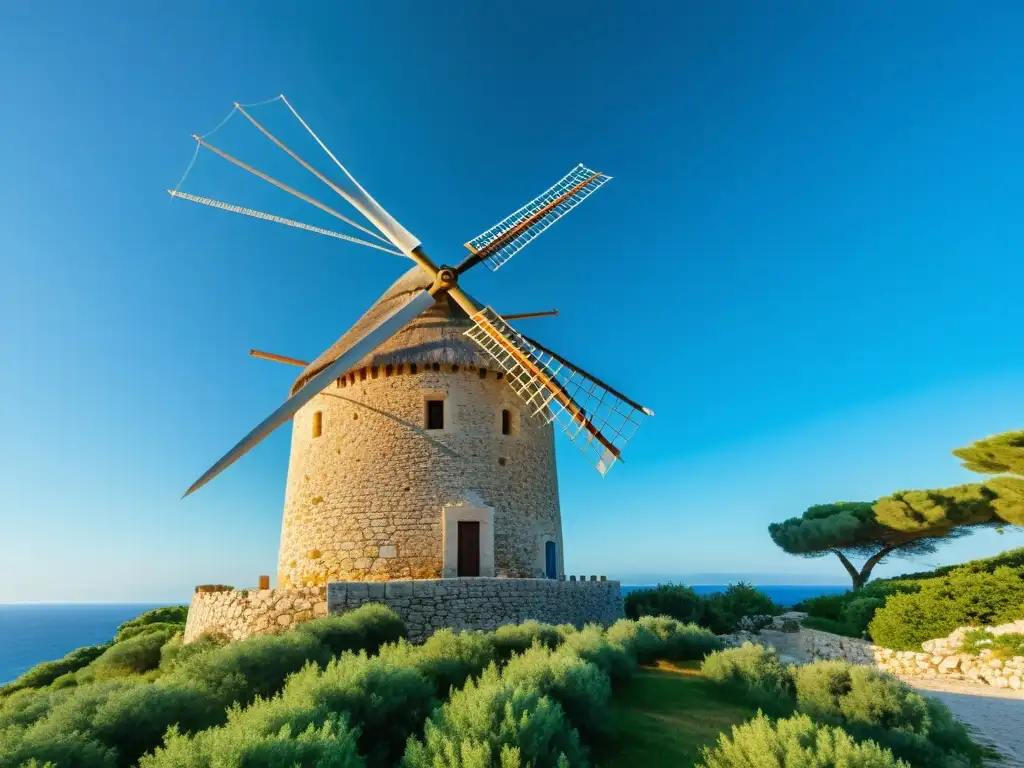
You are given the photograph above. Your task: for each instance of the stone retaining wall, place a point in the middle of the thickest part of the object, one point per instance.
(479, 603)
(239, 613)
(939, 659)
(482, 603)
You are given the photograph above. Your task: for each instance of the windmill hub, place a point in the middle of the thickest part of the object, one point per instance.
(447, 278)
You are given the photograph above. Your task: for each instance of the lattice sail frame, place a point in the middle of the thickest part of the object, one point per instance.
(598, 421)
(513, 233)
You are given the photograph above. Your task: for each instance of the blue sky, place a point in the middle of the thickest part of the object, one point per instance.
(808, 262)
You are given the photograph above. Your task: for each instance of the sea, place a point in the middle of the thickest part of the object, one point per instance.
(35, 632)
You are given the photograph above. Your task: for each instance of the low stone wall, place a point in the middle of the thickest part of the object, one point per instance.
(938, 659)
(818, 645)
(478, 603)
(239, 613)
(482, 603)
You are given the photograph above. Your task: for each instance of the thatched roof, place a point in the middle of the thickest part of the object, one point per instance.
(436, 336)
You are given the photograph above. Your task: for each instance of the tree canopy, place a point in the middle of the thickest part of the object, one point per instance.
(914, 522)
(998, 454)
(852, 529)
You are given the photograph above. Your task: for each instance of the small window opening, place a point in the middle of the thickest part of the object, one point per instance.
(435, 414)
(500, 376)
(318, 423)
(501, 461)
(374, 371)
(506, 422)
(483, 373)
(412, 367)
(455, 369)
(362, 374)
(436, 366)
(388, 370)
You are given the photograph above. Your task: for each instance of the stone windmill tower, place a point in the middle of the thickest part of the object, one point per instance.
(422, 442)
(418, 462)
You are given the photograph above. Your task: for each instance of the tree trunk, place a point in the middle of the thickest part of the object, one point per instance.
(861, 577)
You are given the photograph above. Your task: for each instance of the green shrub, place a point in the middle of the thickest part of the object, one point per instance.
(447, 659)
(24, 707)
(790, 626)
(591, 644)
(175, 652)
(256, 666)
(675, 600)
(639, 641)
(19, 750)
(681, 642)
(724, 610)
(365, 628)
(857, 613)
(129, 657)
(961, 598)
(332, 745)
(493, 722)
(1001, 646)
(828, 625)
(43, 674)
(582, 690)
(795, 742)
(172, 614)
(158, 626)
(720, 612)
(382, 702)
(754, 673)
(516, 638)
(872, 704)
(824, 606)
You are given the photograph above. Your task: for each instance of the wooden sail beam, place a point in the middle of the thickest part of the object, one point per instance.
(278, 358)
(526, 315)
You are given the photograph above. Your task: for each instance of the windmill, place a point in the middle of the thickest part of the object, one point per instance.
(598, 419)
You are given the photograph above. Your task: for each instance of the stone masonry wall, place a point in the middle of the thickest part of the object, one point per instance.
(365, 499)
(483, 603)
(480, 603)
(240, 613)
(940, 658)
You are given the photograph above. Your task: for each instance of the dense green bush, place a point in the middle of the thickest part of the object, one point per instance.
(366, 628)
(332, 745)
(796, 742)
(720, 612)
(382, 702)
(858, 613)
(637, 640)
(872, 704)
(129, 657)
(43, 674)
(961, 598)
(675, 600)
(681, 642)
(256, 666)
(172, 614)
(581, 688)
(828, 625)
(723, 610)
(447, 659)
(591, 644)
(516, 638)
(754, 673)
(824, 606)
(175, 652)
(141, 629)
(1002, 646)
(493, 722)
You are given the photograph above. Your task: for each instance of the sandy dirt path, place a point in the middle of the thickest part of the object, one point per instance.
(995, 716)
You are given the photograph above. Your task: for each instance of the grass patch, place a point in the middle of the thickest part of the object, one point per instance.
(666, 714)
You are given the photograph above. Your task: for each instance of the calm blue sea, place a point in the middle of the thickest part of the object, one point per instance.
(35, 632)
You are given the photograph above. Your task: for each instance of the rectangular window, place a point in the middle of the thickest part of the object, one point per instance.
(435, 414)
(506, 422)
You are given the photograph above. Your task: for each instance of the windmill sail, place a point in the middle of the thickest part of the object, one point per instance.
(597, 419)
(510, 235)
(361, 347)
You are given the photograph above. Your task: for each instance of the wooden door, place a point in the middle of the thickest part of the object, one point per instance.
(469, 548)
